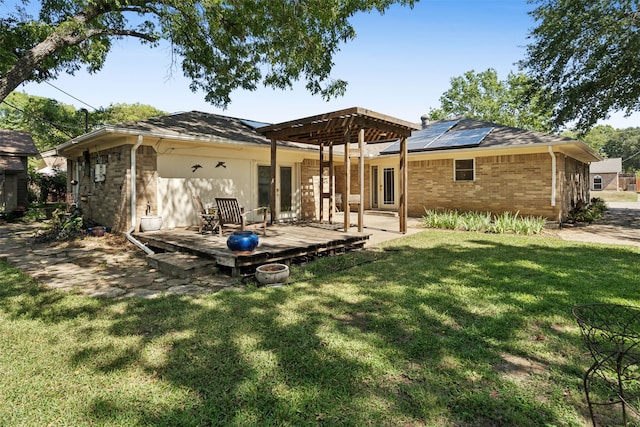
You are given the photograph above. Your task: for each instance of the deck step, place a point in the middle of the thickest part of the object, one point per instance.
(392, 214)
(182, 265)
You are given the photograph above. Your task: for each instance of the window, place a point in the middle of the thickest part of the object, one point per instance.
(463, 170)
(264, 185)
(597, 182)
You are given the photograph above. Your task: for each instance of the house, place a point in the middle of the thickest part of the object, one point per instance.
(605, 174)
(455, 164)
(470, 165)
(49, 163)
(174, 158)
(15, 149)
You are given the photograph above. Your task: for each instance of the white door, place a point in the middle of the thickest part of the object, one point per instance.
(285, 201)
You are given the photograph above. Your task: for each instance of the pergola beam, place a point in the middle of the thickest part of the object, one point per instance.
(343, 127)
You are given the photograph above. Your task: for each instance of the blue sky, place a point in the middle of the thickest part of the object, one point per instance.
(399, 64)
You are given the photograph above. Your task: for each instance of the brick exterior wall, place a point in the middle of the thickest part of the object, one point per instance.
(609, 181)
(355, 188)
(107, 202)
(510, 183)
(309, 183)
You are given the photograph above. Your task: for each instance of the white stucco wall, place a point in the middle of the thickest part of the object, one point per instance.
(178, 182)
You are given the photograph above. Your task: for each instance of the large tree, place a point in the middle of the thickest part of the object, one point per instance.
(223, 44)
(515, 102)
(51, 123)
(625, 143)
(585, 53)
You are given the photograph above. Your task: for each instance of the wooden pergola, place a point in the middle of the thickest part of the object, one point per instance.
(343, 127)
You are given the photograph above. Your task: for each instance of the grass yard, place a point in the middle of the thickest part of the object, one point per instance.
(616, 196)
(439, 329)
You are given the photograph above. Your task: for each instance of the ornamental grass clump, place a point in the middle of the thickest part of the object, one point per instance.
(448, 219)
(476, 221)
(506, 222)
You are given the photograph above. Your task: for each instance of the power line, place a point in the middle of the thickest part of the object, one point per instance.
(42, 119)
(68, 94)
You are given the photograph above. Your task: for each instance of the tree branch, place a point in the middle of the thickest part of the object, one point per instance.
(58, 40)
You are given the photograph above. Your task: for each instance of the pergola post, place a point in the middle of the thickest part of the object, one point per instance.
(272, 190)
(321, 174)
(404, 178)
(332, 192)
(361, 146)
(347, 179)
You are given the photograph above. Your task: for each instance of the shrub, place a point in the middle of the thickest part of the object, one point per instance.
(588, 213)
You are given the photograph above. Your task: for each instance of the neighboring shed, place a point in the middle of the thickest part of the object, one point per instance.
(50, 163)
(15, 149)
(606, 174)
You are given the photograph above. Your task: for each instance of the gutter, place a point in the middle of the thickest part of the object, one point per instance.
(553, 175)
(133, 199)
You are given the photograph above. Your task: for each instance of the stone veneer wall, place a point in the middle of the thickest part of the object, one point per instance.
(575, 184)
(107, 202)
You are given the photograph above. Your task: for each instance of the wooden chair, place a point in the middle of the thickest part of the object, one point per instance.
(208, 222)
(230, 214)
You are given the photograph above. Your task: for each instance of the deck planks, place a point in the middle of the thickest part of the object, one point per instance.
(283, 243)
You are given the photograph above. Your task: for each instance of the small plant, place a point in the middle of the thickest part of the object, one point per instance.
(589, 213)
(63, 227)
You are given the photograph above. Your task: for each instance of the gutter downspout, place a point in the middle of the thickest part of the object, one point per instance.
(553, 175)
(133, 199)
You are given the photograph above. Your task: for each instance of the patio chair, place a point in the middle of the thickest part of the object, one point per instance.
(231, 215)
(208, 222)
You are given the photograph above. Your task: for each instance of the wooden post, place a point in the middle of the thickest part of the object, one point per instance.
(361, 145)
(272, 191)
(347, 178)
(404, 178)
(321, 173)
(332, 190)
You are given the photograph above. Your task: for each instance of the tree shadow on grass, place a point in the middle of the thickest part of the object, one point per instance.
(462, 332)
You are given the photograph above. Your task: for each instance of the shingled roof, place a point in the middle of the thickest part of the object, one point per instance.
(192, 125)
(16, 143)
(456, 134)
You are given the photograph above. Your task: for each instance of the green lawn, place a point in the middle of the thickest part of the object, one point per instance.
(440, 329)
(616, 196)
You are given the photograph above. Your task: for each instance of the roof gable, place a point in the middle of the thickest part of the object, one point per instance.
(188, 126)
(611, 165)
(13, 142)
(199, 124)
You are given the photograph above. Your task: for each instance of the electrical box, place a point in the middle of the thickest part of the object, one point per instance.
(100, 173)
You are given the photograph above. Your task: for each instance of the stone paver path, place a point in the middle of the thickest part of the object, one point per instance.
(98, 266)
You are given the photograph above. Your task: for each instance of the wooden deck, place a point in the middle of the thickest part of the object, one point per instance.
(283, 243)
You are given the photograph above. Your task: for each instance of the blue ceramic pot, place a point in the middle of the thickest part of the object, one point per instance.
(242, 242)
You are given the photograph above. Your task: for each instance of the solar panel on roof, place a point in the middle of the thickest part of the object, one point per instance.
(461, 138)
(422, 138)
(254, 124)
